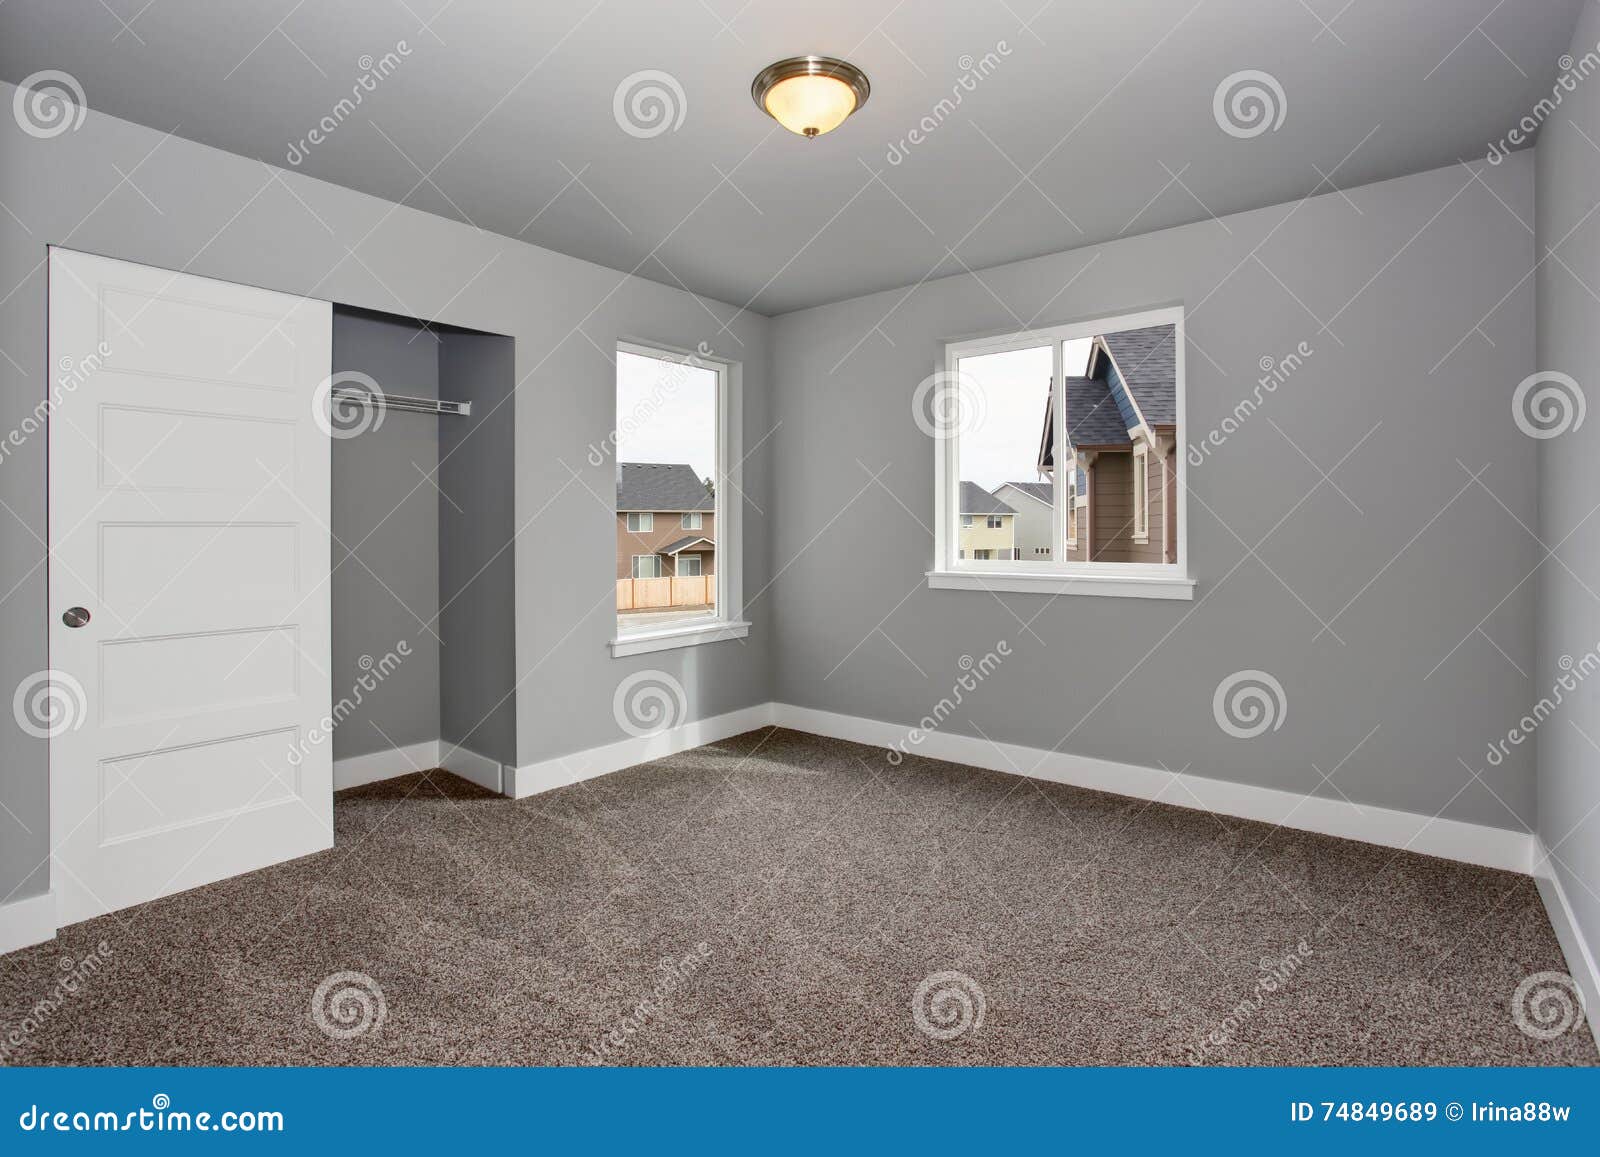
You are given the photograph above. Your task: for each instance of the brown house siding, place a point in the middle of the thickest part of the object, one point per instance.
(1111, 509)
(668, 530)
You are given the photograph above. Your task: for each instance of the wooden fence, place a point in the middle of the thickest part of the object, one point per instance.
(648, 594)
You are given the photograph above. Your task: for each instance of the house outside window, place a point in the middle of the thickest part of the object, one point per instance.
(689, 566)
(641, 522)
(646, 566)
(689, 522)
(1079, 451)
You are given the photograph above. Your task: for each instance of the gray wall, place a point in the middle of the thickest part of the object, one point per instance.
(220, 215)
(1423, 283)
(477, 565)
(385, 519)
(1569, 488)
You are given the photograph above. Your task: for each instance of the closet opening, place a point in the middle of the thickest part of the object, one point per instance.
(422, 578)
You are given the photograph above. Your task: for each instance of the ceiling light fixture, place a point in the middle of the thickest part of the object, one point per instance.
(810, 95)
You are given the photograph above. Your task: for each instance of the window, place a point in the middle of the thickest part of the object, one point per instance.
(1034, 422)
(677, 449)
(1141, 493)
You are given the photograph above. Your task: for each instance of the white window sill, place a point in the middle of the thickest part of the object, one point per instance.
(670, 638)
(1119, 586)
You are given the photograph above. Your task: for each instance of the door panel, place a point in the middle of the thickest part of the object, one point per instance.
(188, 514)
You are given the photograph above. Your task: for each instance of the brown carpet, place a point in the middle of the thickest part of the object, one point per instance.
(825, 886)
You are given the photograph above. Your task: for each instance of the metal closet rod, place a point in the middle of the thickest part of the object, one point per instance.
(401, 402)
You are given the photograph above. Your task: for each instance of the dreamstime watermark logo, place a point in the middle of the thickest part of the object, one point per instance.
(1274, 373)
(338, 414)
(1547, 1004)
(1576, 671)
(670, 976)
(1275, 975)
(948, 1004)
(49, 103)
(974, 672)
(645, 409)
(648, 103)
(373, 72)
(947, 404)
(1547, 404)
(1572, 73)
(374, 672)
(72, 375)
(1248, 103)
(973, 73)
(348, 1004)
(1249, 703)
(649, 702)
(49, 703)
(74, 975)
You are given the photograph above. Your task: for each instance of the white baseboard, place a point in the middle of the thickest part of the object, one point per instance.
(1449, 839)
(360, 769)
(468, 764)
(26, 922)
(548, 774)
(1581, 965)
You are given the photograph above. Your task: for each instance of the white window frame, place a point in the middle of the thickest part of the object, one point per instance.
(1141, 492)
(728, 516)
(1060, 575)
(689, 521)
(641, 522)
(682, 560)
(634, 568)
(994, 522)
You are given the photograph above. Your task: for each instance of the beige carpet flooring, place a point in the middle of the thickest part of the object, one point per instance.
(784, 899)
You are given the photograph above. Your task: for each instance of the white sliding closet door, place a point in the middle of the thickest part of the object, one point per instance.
(189, 519)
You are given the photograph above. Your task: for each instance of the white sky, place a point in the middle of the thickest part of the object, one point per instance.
(666, 412)
(1011, 389)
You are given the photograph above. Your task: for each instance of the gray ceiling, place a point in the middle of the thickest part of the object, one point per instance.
(1095, 120)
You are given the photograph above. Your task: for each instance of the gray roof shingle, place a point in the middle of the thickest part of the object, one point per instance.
(1148, 359)
(686, 541)
(661, 486)
(976, 500)
(1043, 491)
(1092, 415)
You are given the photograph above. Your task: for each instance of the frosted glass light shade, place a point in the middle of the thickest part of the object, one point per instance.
(810, 95)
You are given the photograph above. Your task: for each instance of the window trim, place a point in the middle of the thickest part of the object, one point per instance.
(634, 566)
(1059, 575)
(685, 524)
(684, 558)
(1071, 530)
(1141, 492)
(727, 516)
(646, 520)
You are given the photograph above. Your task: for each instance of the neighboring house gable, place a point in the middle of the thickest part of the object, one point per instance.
(1034, 503)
